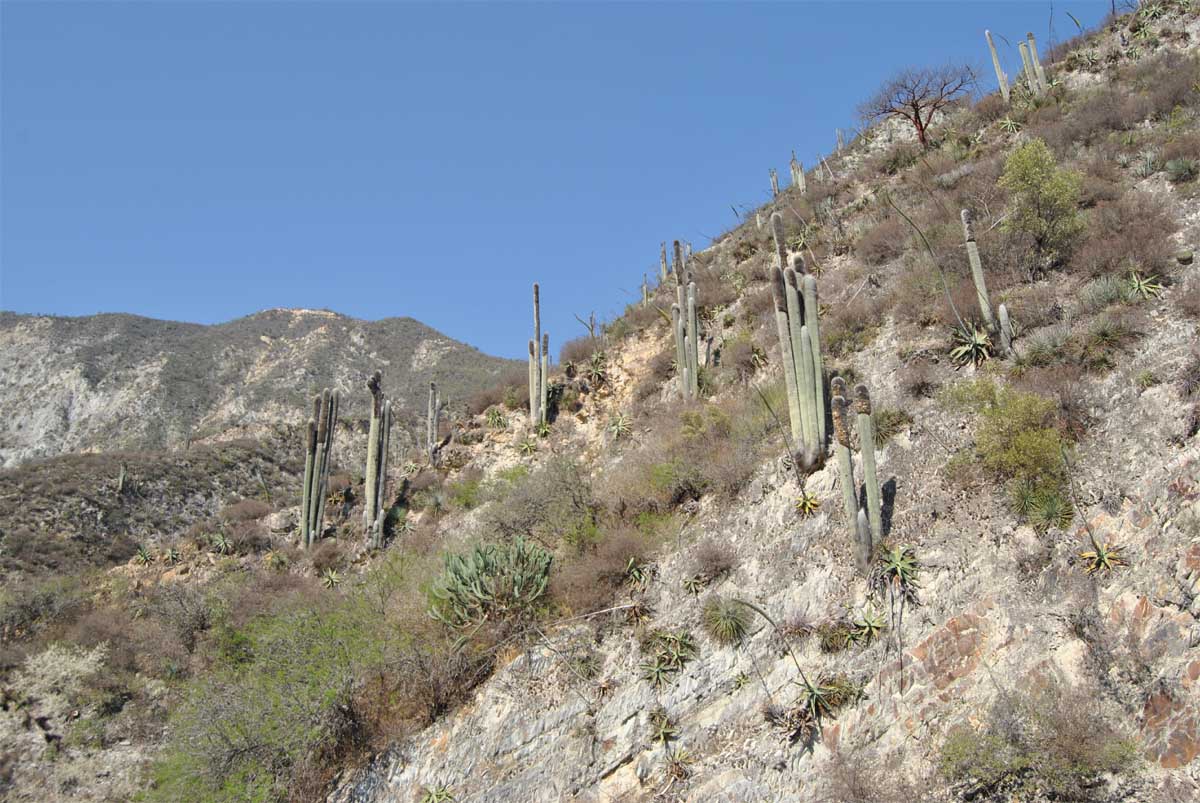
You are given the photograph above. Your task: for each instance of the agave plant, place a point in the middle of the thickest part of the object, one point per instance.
(1050, 509)
(869, 624)
(330, 578)
(542, 429)
(493, 581)
(1010, 125)
(143, 557)
(662, 728)
(694, 583)
(1139, 287)
(527, 446)
(638, 573)
(597, 368)
(1103, 558)
(974, 346)
(276, 560)
(437, 794)
(897, 569)
(619, 426)
(806, 504)
(220, 543)
(726, 621)
(172, 556)
(495, 419)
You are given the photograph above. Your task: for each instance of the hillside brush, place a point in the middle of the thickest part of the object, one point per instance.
(317, 465)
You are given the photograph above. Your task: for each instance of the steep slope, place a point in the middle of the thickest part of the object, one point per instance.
(108, 382)
(704, 632)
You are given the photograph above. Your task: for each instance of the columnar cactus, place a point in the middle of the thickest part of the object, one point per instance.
(840, 409)
(378, 439)
(686, 326)
(662, 265)
(544, 404)
(1001, 78)
(797, 321)
(841, 143)
(1031, 76)
(865, 521)
(1038, 70)
(645, 290)
(774, 183)
(981, 291)
(866, 445)
(432, 413)
(797, 175)
(1006, 330)
(318, 462)
(535, 382)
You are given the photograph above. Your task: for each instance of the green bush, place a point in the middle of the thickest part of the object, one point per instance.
(1049, 744)
(554, 505)
(1044, 200)
(493, 581)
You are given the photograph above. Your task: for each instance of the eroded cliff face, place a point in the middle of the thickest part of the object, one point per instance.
(110, 382)
(1002, 612)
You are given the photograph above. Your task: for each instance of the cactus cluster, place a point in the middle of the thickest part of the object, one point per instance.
(539, 365)
(1035, 74)
(317, 463)
(865, 521)
(797, 176)
(432, 412)
(686, 324)
(375, 482)
(493, 581)
(1003, 327)
(798, 326)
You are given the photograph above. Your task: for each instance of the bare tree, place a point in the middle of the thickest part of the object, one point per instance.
(918, 94)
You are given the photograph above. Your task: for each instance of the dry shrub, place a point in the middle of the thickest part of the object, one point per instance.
(1131, 233)
(737, 358)
(713, 559)
(757, 306)
(920, 298)
(1167, 80)
(588, 580)
(578, 351)
(864, 776)
(245, 510)
(883, 242)
(1064, 384)
(713, 290)
(1034, 306)
(1187, 298)
(1183, 146)
(1101, 181)
(327, 555)
(851, 326)
(1091, 120)
(991, 108)
(510, 390)
(918, 381)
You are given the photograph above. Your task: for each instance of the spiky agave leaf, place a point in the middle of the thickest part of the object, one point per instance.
(725, 620)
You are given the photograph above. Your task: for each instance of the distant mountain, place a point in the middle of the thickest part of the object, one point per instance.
(115, 381)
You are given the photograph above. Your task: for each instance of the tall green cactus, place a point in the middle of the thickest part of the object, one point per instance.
(860, 536)
(1031, 76)
(662, 265)
(680, 351)
(693, 343)
(1001, 78)
(371, 471)
(432, 414)
(544, 404)
(378, 440)
(981, 291)
(1006, 331)
(797, 313)
(797, 169)
(1036, 61)
(536, 415)
(645, 290)
(774, 183)
(319, 440)
(866, 444)
(686, 325)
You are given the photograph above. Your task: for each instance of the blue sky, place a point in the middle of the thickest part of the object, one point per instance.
(203, 161)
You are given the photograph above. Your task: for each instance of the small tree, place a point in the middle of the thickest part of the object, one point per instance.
(918, 94)
(1045, 200)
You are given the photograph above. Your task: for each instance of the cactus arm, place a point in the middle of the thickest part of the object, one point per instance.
(310, 448)
(1001, 78)
(1006, 331)
(811, 320)
(789, 362)
(841, 447)
(803, 368)
(981, 291)
(371, 471)
(680, 359)
(535, 413)
(543, 407)
(1036, 61)
(866, 442)
(693, 354)
(780, 245)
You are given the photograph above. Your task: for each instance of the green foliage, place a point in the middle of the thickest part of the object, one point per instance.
(493, 581)
(1182, 170)
(667, 654)
(896, 571)
(725, 620)
(437, 794)
(330, 578)
(867, 627)
(143, 557)
(495, 418)
(619, 426)
(889, 422)
(528, 446)
(662, 727)
(552, 504)
(972, 346)
(1044, 199)
(1045, 745)
(466, 493)
(1103, 558)
(1141, 288)
(806, 504)
(1050, 509)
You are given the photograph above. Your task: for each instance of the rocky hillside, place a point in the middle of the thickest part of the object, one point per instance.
(654, 598)
(108, 382)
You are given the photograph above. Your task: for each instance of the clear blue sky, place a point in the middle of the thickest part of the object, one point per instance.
(202, 161)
